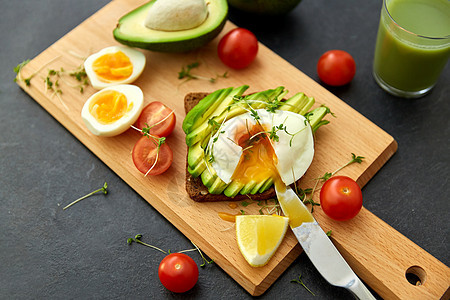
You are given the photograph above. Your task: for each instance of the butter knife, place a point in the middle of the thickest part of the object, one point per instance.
(318, 246)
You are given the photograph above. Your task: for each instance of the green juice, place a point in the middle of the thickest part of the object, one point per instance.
(413, 44)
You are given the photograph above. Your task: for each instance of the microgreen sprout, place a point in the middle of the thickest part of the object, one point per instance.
(267, 207)
(355, 159)
(18, 71)
(159, 141)
(273, 105)
(103, 189)
(137, 239)
(27, 81)
(215, 132)
(328, 175)
(79, 74)
(186, 73)
(205, 261)
(148, 127)
(300, 281)
(245, 203)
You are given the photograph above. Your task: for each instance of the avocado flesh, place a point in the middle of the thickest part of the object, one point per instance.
(204, 129)
(197, 115)
(233, 188)
(131, 30)
(217, 186)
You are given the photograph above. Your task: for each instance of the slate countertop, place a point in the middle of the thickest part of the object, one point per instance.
(45, 253)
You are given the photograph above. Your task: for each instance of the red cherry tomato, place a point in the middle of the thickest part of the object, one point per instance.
(238, 48)
(154, 113)
(341, 198)
(146, 151)
(336, 67)
(178, 272)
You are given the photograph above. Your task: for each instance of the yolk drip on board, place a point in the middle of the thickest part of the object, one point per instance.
(109, 106)
(113, 67)
(257, 163)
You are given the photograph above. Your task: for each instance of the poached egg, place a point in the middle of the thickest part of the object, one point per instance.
(259, 145)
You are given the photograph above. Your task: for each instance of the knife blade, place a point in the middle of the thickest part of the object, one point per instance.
(318, 246)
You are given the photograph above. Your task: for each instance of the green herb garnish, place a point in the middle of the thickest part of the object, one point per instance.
(328, 175)
(185, 73)
(137, 239)
(300, 281)
(103, 189)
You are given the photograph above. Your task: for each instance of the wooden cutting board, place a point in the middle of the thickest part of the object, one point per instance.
(379, 255)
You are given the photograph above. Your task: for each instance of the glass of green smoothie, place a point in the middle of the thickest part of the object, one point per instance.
(413, 46)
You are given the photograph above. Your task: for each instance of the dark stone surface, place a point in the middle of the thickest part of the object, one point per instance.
(82, 253)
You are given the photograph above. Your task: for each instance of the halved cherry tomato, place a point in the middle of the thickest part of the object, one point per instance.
(146, 151)
(341, 198)
(336, 67)
(238, 48)
(178, 272)
(154, 113)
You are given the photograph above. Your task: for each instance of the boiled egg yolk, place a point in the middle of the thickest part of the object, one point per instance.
(113, 67)
(113, 110)
(109, 106)
(258, 160)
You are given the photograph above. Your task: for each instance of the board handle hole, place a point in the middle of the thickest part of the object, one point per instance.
(416, 275)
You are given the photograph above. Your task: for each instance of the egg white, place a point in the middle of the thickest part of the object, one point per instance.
(295, 151)
(133, 95)
(136, 57)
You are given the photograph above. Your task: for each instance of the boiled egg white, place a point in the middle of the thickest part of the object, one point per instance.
(113, 110)
(293, 147)
(114, 65)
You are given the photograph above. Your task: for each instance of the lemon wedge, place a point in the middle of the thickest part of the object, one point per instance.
(258, 236)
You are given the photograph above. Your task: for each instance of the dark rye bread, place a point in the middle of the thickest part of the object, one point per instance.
(194, 185)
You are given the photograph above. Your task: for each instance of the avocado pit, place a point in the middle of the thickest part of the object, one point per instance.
(175, 15)
(181, 26)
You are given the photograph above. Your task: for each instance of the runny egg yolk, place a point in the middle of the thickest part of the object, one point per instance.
(258, 160)
(109, 106)
(112, 67)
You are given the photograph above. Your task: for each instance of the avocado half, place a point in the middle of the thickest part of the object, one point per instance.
(132, 32)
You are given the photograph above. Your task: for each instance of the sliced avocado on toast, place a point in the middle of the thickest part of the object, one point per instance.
(132, 31)
(201, 123)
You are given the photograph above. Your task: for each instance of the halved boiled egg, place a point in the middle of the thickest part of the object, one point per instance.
(114, 65)
(260, 145)
(113, 110)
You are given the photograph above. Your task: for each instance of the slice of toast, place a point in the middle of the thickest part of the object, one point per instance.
(194, 185)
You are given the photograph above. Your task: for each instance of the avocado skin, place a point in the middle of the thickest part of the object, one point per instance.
(265, 7)
(171, 47)
(178, 46)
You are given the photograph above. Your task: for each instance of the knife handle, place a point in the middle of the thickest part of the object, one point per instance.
(360, 290)
(382, 257)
